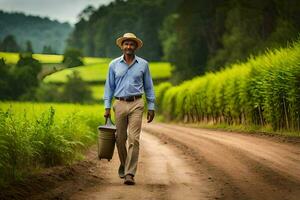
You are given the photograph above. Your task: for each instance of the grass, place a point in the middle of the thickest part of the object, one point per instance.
(98, 72)
(35, 135)
(12, 58)
(97, 91)
(89, 73)
(93, 60)
(251, 129)
(160, 70)
(62, 109)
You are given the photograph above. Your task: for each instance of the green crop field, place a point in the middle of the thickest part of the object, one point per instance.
(264, 92)
(63, 109)
(93, 60)
(97, 91)
(94, 72)
(34, 135)
(160, 70)
(12, 58)
(98, 72)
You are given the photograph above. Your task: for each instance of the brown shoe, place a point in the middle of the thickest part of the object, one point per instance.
(129, 180)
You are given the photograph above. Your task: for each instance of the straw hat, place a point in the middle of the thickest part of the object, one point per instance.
(129, 36)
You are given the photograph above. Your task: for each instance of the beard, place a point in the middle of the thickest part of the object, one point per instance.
(128, 51)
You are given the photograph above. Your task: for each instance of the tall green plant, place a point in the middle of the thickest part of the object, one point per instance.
(263, 91)
(44, 140)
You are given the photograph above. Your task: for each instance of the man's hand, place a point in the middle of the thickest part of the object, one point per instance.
(150, 115)
(107, 113)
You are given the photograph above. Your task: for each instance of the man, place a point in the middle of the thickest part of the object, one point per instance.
(128, 78)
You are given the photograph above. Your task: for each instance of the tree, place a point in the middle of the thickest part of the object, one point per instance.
(19, 82)
(9, 44)
(196, 36)
(96, 31)
(5, 80)
(76, 90)
(209, 35)
(29, 46)
(168, 38)
(25, 76)
(26, 59)
(86, 13)
(47, 92)
(72, 57)
(47, 49)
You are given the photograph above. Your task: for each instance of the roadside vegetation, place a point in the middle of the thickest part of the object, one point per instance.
(39, 135)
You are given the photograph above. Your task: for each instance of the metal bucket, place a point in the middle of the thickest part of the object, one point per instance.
(106, 140)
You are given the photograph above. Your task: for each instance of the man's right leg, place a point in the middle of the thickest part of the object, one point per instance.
(121, 117)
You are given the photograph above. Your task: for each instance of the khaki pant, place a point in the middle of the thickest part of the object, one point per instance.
(128, 117)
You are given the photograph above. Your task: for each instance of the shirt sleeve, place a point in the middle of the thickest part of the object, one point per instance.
(109, 87)
(148, 88)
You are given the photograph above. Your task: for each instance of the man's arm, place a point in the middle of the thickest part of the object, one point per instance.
(149, 91)
(109, 91)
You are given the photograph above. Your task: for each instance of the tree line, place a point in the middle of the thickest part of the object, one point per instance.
(196, 36)
(10, 44)
(97, 29)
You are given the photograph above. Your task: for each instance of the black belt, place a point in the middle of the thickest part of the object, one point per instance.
(130, 98)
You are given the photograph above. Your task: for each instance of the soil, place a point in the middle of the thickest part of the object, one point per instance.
(178, 162)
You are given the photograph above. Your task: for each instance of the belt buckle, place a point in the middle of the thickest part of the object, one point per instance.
(131, 98)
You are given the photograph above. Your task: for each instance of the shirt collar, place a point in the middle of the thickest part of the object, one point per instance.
(134, 60)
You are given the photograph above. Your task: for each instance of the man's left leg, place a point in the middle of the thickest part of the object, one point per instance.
(134, 128)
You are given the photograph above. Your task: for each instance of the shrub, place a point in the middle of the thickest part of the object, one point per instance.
(76, 90)
(72, 57)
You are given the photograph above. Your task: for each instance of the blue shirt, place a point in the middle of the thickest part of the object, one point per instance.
(125, 80)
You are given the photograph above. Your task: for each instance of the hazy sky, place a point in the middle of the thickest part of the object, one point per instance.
(61, 10)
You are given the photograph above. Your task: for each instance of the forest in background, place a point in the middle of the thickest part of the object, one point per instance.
(45, 35)
(195, 36)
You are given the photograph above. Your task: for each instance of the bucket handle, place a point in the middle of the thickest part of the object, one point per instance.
(108, 121)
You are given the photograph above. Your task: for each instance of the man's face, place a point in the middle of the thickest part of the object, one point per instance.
(128, 47)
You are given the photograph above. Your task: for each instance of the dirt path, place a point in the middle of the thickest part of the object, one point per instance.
(163, 173)
(178, 163)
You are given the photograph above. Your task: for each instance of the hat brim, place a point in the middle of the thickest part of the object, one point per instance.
(137, 40)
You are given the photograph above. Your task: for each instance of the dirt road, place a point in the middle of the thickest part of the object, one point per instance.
(187, 163)
(241, 166)
(163, 173)
(177, 163)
